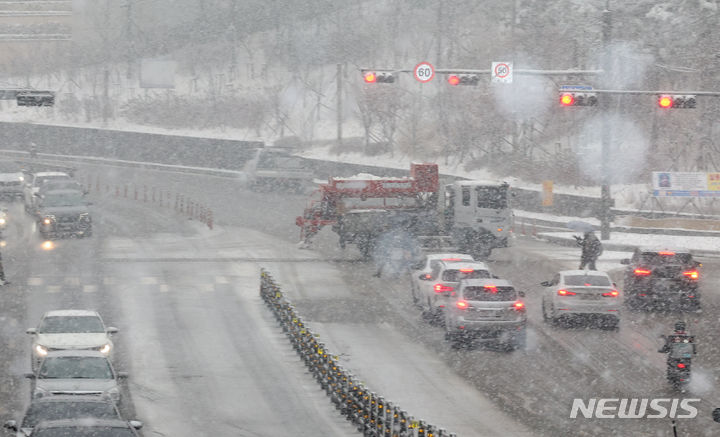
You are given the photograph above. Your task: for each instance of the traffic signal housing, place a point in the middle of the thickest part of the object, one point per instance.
(463, 79)
(375, 77)
(677, 101)
(35, 98)
(578, 99)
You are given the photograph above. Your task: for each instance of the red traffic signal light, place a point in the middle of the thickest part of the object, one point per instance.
(567, 99)
(676, 101)
(578, 99)
(463, 79)
(374, 77)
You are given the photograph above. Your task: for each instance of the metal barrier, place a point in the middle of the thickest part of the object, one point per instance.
(371, 414)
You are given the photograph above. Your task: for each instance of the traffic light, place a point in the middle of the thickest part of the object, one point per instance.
(463, 79)
(578, 99)
(676, 101)
(374, 77)
(35, 98)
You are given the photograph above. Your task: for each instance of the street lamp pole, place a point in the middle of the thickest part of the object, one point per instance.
(606, 134)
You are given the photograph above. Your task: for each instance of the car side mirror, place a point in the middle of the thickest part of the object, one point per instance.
(698, 264)
(625, 261)
(122, 375)
(546, 283)
(31, 331)
(136, 424)
(111, 330)
(495, 276)
(716, 414)
(614, 284)
(521, 293)
(29, 375)
(11, 424)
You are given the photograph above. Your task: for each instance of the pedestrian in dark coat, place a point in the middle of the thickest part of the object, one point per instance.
(591, 250)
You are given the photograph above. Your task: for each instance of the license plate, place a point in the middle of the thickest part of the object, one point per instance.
(590, 297)
(486, 313)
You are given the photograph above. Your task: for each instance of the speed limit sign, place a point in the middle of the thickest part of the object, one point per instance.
(424, 72)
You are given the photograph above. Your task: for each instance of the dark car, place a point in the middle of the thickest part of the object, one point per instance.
(86, 427)
(663, 278)
(63, 213)
(64, 407)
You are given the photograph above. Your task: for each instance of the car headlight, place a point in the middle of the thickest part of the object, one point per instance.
(48, 219)
(39, 392)
(22, 178)
(105, 349)
(114, 394)
(2, 221)
(41, 350)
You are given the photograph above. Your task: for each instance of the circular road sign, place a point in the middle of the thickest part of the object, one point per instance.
(502, 70)
(424, 72)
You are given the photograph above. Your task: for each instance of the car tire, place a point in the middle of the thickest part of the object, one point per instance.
(545, 317)
(520, 340)
(457, 341)
(414, 293)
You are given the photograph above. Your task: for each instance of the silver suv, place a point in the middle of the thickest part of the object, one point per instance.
(486, 309)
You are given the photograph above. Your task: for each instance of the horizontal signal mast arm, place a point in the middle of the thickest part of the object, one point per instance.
(649, 92)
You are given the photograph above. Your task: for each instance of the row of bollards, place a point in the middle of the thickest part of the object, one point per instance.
(371, 414)
(164, 198)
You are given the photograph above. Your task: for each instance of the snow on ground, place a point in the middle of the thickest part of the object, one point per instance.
(618, 239)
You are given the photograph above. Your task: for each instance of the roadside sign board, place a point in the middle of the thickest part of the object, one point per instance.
(502, 72)
(576, 87)
(424, 72)
(685, 184)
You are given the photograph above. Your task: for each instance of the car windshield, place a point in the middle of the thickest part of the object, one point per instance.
(75, 367)
(681, 350)
(70, 324)
(587, 280)
(458, 275)
(655, 258)
(60, 185)
(489, 293)
(94, 431)
(492, 197)
(40, 411)
(65, 199)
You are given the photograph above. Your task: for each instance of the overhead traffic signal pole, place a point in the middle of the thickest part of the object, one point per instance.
(606, 134)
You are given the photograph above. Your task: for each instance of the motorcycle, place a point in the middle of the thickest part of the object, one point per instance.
(680, 349)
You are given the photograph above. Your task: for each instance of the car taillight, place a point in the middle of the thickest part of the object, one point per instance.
(642, 272)
(439, 288)
(428, 276)
(612, 293)
(666, 253)
(562, 292)
(462, 304)
(681, 366)
(466, 270)
(692, 274)
(519, 305)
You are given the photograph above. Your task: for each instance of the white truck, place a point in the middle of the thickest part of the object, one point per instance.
(273, 169)
(471, 216)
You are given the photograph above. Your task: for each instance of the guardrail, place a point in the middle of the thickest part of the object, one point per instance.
(372, 414)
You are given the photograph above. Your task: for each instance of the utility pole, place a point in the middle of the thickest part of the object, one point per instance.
(339, 103)
(129, 36)
(606, 134)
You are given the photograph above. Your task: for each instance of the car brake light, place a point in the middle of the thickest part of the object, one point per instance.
(451, 259)
(462, 304)
(692, 274)
(612, 293)
(562, 292)
(439, 288)
(428, 276)
(491, 288)
(642, 272)
(519, 305)
(681, 366)
(467, 270)
(666, 253)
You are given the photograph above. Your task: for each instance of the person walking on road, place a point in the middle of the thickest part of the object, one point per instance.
(591, 250)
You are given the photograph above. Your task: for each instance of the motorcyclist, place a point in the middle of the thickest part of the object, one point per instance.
(591, 250)
(680, 333)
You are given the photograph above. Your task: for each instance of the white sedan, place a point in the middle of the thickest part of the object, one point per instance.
(573, 294)
(423, 270)
(70, 329)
